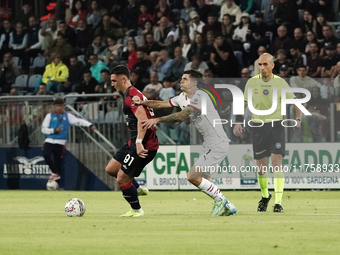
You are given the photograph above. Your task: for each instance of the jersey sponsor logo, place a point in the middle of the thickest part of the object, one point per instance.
(266, 92)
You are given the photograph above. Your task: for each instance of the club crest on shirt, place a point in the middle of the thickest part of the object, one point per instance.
(266, 92)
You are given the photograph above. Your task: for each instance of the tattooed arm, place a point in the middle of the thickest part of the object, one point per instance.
(172, 118)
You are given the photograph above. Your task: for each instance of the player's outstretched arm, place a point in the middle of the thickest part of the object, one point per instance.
(154, 104)
(141, 116)
(172, 118)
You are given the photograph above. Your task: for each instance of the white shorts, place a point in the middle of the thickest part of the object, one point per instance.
(212, 157)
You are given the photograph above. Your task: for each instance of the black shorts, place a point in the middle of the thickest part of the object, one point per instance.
(268, 139)
(132, 164)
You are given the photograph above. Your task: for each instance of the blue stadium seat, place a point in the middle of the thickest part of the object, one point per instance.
(21, 81)
(32, 81)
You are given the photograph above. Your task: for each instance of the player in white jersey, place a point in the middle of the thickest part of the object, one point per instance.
(216, 142)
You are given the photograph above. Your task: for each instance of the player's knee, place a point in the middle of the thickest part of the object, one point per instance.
(110, 171)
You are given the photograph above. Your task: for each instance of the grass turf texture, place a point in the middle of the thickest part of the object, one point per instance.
(34, 222)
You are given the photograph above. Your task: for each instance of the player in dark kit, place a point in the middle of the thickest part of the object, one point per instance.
(130, 160)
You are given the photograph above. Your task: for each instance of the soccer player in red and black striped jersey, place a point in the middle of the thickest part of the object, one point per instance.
(130, 160)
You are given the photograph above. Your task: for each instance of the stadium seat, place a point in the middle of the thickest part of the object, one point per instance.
(21, 81)
(71, 100)
(138, 39)
(16, 61)
(39, 61)
(32, 81)
(81, 58)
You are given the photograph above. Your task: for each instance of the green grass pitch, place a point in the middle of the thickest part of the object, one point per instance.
(177, 222)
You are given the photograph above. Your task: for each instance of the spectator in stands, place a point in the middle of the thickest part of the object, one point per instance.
(337, 82)
(314, 61)
(78, 12)
(284, 72)
(240, 33)
(209, 46)
(257, 35)
(87, 86)
(106, 29)
(151, 91)
(42, 90)
(287, 13)
(298, 59)
(49, 34)
(84, 36)
(147, 27)
(8, 72)
(299, 39)
(96, 67)
(175, 70)
(161, 10)
(223, 58)
(130, 16)
(182, 28)
(317, 122)
(132, 59)
(282, 41)
(136, 80)
(5, 35)
(97, 47)
(203, 10)
(227, 26)
(197, 47)
(113, 51)
(63, 48)
(245, 75)
(171, 43)
(167, 92)
(18, 40)
(338, 49)
(310, 39)
(69, 33)
(105, 85)
(302, 80)
(126, 52)
(33, 46)
(94, 15)
(319, 6)
(281, 59)
(208, 74)
(144, 15)
(55, 73)
(76, 71)
(320, 22)
(260, 51)
(329, 38)
(308, 23)
(196, 64)
(229, 7)
(162, 64)
(185, 12)
(142, 65)
(151, 45)
(185, 44)
(24, 15)
(330, 61)
(161, 32)
(196, 25)
(269, 14)
(212, 25)
(327, 90)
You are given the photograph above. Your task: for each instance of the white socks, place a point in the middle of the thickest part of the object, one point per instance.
(211, 190)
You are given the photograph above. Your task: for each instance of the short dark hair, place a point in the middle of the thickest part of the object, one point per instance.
(105, 71)
(302, 66)
(194, 74)
(167, 78)
(87, 71)
(142, 49)
(62, 22)
(59, 101)
(44, 84)
(121, 70)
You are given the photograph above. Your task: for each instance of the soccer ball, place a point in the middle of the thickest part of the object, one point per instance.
(75, 207)
(52, 185)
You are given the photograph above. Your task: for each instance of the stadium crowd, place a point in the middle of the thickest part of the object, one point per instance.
(159, 39)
